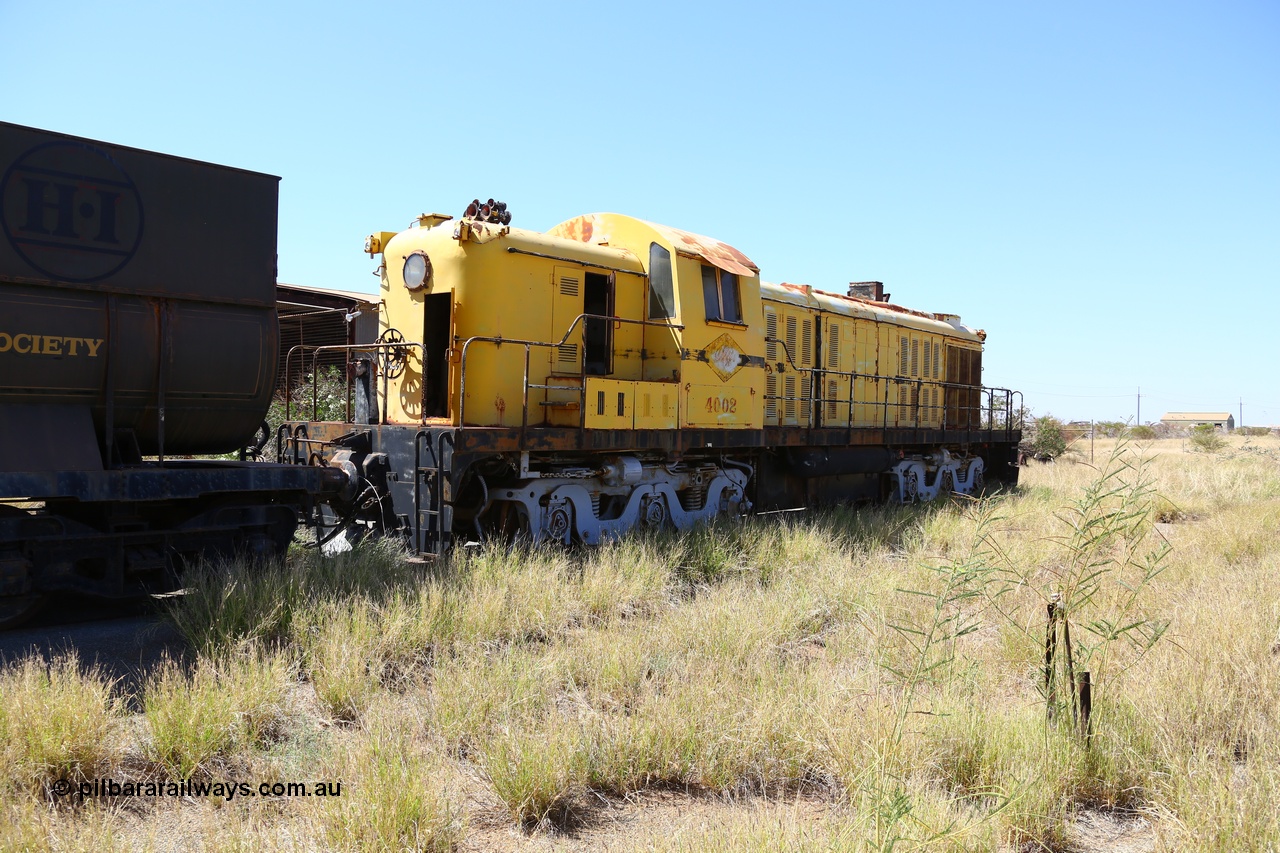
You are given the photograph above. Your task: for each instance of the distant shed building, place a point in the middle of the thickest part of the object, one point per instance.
(1187, 420)
(313, 317)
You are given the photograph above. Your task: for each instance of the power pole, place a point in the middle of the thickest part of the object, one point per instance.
(1240, 423)
(1139, 423)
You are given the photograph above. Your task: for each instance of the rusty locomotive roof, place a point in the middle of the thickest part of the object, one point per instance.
(884, 312)
(593, 228)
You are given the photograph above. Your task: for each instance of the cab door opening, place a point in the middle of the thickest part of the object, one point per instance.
(597, 336)
(436, 340)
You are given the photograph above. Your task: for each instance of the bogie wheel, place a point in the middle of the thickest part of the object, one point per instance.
(15, 610)
(559, 523)
(508, 521)
(653, 512)
(910, 486)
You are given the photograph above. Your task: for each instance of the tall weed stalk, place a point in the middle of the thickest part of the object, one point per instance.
(1107, 561)
(953, 605)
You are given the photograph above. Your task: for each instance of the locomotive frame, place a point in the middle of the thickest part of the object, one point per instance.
(623, 394)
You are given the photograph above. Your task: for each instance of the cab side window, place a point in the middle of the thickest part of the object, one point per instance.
(720, 295)
(662, 299)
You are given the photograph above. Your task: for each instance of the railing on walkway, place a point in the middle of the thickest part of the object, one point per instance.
(901, 402)
(546, 388)
(963, 407)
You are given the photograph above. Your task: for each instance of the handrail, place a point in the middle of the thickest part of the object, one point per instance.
(528, 346)
(315, 360)
(818, 374)
(813, 401)
(288, 373)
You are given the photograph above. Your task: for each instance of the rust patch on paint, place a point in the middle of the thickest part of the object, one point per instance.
(589, 229)
(584, 229)
(715, 252)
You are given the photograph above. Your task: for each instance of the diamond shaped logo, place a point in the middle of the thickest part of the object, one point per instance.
(725, 357)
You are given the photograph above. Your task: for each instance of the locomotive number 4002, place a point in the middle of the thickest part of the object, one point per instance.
(722, 405)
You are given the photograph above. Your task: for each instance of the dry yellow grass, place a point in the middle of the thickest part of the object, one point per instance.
(885, 663)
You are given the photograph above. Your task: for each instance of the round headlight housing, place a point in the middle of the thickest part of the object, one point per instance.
(417, 271)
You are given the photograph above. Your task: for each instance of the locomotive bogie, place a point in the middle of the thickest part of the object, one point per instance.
(594, 505)
(925, 478)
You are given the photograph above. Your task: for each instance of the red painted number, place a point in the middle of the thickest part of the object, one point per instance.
(722, 405)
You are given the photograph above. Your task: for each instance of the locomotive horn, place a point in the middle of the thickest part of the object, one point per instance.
(489, 211)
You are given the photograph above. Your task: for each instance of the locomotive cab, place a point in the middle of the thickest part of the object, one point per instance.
(587, 325)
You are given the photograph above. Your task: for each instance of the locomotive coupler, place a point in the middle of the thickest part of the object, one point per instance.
(365, 494)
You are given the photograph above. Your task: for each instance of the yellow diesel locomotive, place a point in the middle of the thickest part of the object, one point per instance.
(612, 373)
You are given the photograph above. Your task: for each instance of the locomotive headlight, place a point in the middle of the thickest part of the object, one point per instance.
(417, 271)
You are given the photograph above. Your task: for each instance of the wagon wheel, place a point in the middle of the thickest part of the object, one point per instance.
(17, 609)
(393, 358)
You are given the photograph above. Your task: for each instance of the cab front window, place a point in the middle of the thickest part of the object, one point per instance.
(720, 295)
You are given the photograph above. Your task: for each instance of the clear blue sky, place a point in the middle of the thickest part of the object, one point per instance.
(1097, 185)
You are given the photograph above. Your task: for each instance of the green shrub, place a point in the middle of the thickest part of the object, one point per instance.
(1205, 438)
(1254, 431)
(1111, 429)
(1046, 439)
(330, 388)
(1142, 432)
